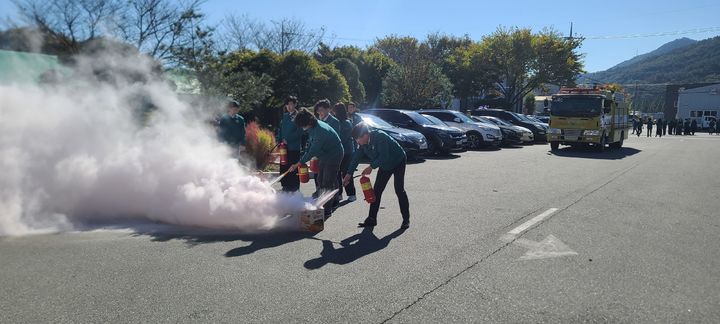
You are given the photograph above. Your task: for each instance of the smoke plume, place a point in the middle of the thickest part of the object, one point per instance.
(81, 151)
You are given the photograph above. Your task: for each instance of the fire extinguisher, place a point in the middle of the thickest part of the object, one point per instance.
(367, 189)
(303, 173)
(282, 150)
(314, 165)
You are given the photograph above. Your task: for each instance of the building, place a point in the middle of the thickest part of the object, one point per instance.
(27, 68)
(701, 104)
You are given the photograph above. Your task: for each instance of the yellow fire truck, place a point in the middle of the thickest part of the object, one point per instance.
(587, 116)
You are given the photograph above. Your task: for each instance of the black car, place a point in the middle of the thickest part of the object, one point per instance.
(414, 143)
(441, 139)
(510, 136)
(539, 130)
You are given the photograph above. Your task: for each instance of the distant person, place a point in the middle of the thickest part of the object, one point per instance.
(664, 127)
(352, 114)
(649, 127)
(346, 127)
(389, 158)
(671, 126)
(659, 128)
(639, 128)
(712, 126)
(231, 127)
(693, 126)
(291, 135)
(686, 126)
(324, 144)
(634, 125)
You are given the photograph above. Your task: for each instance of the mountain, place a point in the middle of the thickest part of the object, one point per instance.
(680, 61)
(665, 48)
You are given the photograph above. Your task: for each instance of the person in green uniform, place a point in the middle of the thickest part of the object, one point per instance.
(322, 109)
(340, 112)
(352, 114)
(231, 127)
(324, 144)
(291, 135)
(386, 155)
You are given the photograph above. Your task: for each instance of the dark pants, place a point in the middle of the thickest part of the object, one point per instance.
(381, 180)
(327, 180)
(290, 182)
(350, 188)
(649, 131)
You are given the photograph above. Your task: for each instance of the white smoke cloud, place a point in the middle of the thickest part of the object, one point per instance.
(75, 153)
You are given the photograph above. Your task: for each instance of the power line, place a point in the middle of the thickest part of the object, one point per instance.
(668, 33)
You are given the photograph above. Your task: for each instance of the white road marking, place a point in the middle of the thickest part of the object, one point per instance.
(525, 226)
(550, 247)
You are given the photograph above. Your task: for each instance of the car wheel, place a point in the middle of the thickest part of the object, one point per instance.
(475, 140)
(619, 144)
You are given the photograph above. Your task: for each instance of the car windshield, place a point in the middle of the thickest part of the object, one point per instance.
(375, 121)
(464, 118)
(522, 117)
(418, 118)
(499, 121)
(434, 120)
(566, 106)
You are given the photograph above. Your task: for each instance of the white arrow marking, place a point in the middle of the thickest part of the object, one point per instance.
(550, 247)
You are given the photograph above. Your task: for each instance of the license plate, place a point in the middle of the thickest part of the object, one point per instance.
(459, 142)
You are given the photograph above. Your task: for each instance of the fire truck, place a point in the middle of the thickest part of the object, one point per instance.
(588, 117)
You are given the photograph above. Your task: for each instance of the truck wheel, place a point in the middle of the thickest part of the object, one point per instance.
(554, 146)
(619, 144)
(601, 145)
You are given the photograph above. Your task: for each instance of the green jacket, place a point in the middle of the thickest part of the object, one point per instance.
(355, 119)
(231, 130)
(345, 134)
(333, 122)
(290, 133)
(382, 151)
(324, 144)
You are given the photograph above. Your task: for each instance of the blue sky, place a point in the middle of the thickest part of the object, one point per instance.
(359, 22)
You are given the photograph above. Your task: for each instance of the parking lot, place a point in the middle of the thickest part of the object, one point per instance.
(513, 235)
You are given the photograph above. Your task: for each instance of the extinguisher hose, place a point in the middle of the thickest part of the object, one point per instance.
(274, 181)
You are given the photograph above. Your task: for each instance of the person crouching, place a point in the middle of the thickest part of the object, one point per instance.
(325, 145)
(388, 156)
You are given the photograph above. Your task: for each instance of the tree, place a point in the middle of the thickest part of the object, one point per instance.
(518, 61)
(351, 73)
(372, 66)
(301, 75)
(415, 81)
(416, 86)
(529, 104)
(281, 36)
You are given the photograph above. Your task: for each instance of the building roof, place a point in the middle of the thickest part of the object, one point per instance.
(21, 67)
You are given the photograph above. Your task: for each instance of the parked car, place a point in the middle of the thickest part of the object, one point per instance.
(536, 119)
(441, 139)
(414, 143)
(439, 122)
(479, 134)
(538, 129)
(544, 119)
(525, 134)
(510, 136)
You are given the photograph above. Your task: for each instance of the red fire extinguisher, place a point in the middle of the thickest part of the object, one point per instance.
(282, 151)
(367, 189)
(314, 165)
(303, 173)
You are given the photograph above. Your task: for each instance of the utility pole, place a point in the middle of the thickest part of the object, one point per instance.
(282, 37)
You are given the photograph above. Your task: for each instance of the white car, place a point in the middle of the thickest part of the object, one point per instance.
(478, 134)
(526, 134)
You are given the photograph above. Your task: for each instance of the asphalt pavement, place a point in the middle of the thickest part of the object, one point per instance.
(514, 235)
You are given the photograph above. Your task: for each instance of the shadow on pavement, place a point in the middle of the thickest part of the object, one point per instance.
(353, 248)
(442, 157)
(589, 153)
(265, 241)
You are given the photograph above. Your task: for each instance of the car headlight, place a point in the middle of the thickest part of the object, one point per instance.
(399, 137)
(593, 132)
(555, 131)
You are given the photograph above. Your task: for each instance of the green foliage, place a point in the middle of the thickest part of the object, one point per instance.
(416, 86)
(529, 104)
(352, 75)
(517, 61)
(302, 75)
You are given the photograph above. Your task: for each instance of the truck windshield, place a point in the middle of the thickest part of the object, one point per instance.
(576, 106)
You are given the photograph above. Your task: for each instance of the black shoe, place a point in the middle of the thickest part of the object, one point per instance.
(405, 224)
(367, 223)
